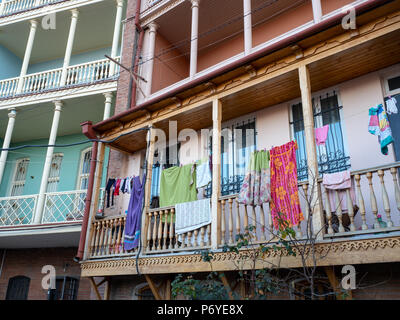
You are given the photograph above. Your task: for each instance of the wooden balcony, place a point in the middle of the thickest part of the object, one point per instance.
(377, 194)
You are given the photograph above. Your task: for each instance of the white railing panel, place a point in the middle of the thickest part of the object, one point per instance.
(64, 206)
(17, 210)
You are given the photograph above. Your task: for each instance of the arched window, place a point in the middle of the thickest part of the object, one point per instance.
(84, 169)
(18, 288)
(54, 175)
(18, 183)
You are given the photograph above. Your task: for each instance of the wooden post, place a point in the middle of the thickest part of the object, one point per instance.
(96, 289)
(226, 285)
(216, 174)
(312, 162)
(153, 287)
(96, 195)
(147, 191)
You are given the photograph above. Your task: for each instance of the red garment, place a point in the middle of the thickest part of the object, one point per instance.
(117, 185)
(284, 189)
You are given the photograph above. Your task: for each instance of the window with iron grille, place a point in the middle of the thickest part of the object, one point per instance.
(237, 143)
(54, 175)
(18, 288)
(332, 156)
(66, 289)
(18, 183)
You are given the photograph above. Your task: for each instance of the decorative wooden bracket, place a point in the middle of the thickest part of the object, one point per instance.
(97, 285)
(156, 289)
(298, 51)
(251, 70)
(335, 284)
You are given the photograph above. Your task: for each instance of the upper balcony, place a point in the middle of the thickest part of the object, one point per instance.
(12, 11)
(87, 77)
(190, 42)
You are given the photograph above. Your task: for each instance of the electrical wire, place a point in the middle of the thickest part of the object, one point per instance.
(75, 143)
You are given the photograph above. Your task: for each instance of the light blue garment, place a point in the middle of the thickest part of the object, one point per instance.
(203, 174)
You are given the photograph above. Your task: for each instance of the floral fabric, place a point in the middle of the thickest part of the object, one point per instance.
(255, 189)
(284, 189)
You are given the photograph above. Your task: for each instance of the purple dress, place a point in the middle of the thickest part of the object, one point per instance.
(134, 215)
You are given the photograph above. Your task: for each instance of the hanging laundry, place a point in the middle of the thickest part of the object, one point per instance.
(109, 185)
(284, 189)
(117, 186)
(203, 173)
(339, 181)
(177, 185)
(321, 134)
(191, 216)
(379, 126)
(134, 215)
(123, 183)
(391, 105)
(256, 189)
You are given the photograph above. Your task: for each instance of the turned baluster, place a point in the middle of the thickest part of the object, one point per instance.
(254, 222)
(123, 236)
(374, 206)
(189, 239)
(222, 222)
(102, 231)
(171, 229)
(209, 235)
(350, 210)
(339, 211)
(230, 201)
(328, 212)
(245, 219)
(270, 223)
(237, 217)
(95, 238)
(202, 234)
(183, 244)
(149, 231)
(385, 198)
(159, 233)
(195, 237)
(114, 240)
(361, 204)
(154, 246)
(262, 216)
(393, 171)
(107, 238)
(166, 216)
(118, 244)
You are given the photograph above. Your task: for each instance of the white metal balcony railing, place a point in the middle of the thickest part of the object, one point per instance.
(59, 207)
(16, 6)
(81, 74)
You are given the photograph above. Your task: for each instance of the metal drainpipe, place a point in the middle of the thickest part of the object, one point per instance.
(89, 132)
(137, 55)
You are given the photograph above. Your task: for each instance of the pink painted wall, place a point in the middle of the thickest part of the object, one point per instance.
(283, 23)
(331, 5)
(174, 67)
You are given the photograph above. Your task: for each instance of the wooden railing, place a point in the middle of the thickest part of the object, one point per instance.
(15, 6)
(40, 82)
(372, 210)
(107, 235)
(160, 235)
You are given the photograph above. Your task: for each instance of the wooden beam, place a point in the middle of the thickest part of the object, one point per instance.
(330, 272)
(153, 287)
(226, 285)
(216, 173)
(96, 289)
(168, 290)
(314, 199)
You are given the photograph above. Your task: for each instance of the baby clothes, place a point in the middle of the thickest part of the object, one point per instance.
(379, 126)
(321, 134)
(391, 105)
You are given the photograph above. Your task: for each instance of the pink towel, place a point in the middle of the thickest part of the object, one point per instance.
(321, 134)
(339, 181)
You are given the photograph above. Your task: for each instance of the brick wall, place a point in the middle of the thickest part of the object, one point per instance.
(29, 263)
